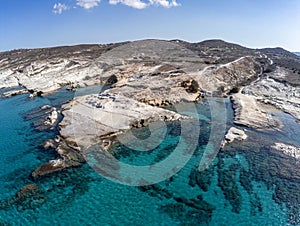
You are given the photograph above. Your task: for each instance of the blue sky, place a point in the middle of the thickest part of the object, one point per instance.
(252, 23)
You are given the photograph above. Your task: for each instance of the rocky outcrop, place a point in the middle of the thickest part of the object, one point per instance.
(159, 75)
(235, 134)
(14, 93)
(41, 71)
(49, 144)
(50, 167)
(69, 157)
(45, 118)
(52, 117)
(145, 76)
(282, 96)
(288, 150)
(149, 85)
(255, 103)
(232, 135)
(89, 119)
(248, 111)
(46, 70)
(224, 78)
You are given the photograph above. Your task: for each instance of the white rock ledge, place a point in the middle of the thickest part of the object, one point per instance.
(88, 118)
(235, 134)
(289, 150)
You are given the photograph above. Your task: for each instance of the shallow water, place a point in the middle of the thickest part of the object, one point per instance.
(234, 190)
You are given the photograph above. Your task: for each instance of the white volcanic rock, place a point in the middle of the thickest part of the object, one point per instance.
(147, 74)
(88, 118)
(280, 95)
(235, 134)
(14, 92)
(288, 150)
(224, 77)
(52, 117)
(154, 85)
(256, 102)
(248, 111)
(7, 78)
(46, 70)
(48, 76)
(46, 107)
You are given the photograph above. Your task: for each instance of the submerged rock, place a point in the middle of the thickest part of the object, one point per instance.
(49, 144)
(28, 197)
(49, 167)
(69, 157)
(27, 191)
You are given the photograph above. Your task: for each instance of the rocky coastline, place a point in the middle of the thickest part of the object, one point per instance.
(146, 77)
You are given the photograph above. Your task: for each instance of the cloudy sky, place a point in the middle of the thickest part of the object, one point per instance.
(253, 23)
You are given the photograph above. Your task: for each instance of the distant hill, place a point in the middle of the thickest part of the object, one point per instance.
(225, 52)
(212, 52)
(277, 51)
(287, 60)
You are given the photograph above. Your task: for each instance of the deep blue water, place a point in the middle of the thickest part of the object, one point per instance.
(234, 190)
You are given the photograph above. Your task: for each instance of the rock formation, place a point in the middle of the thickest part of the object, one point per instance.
(145, 77)
(289, 150)
(235, 134)
(87, 119)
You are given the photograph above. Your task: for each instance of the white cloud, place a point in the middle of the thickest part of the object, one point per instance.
(164, 3)
(132, 3)
(58, 8)
(138, 4)
(88, 4)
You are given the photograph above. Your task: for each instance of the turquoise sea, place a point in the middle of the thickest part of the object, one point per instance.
(246, 184)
